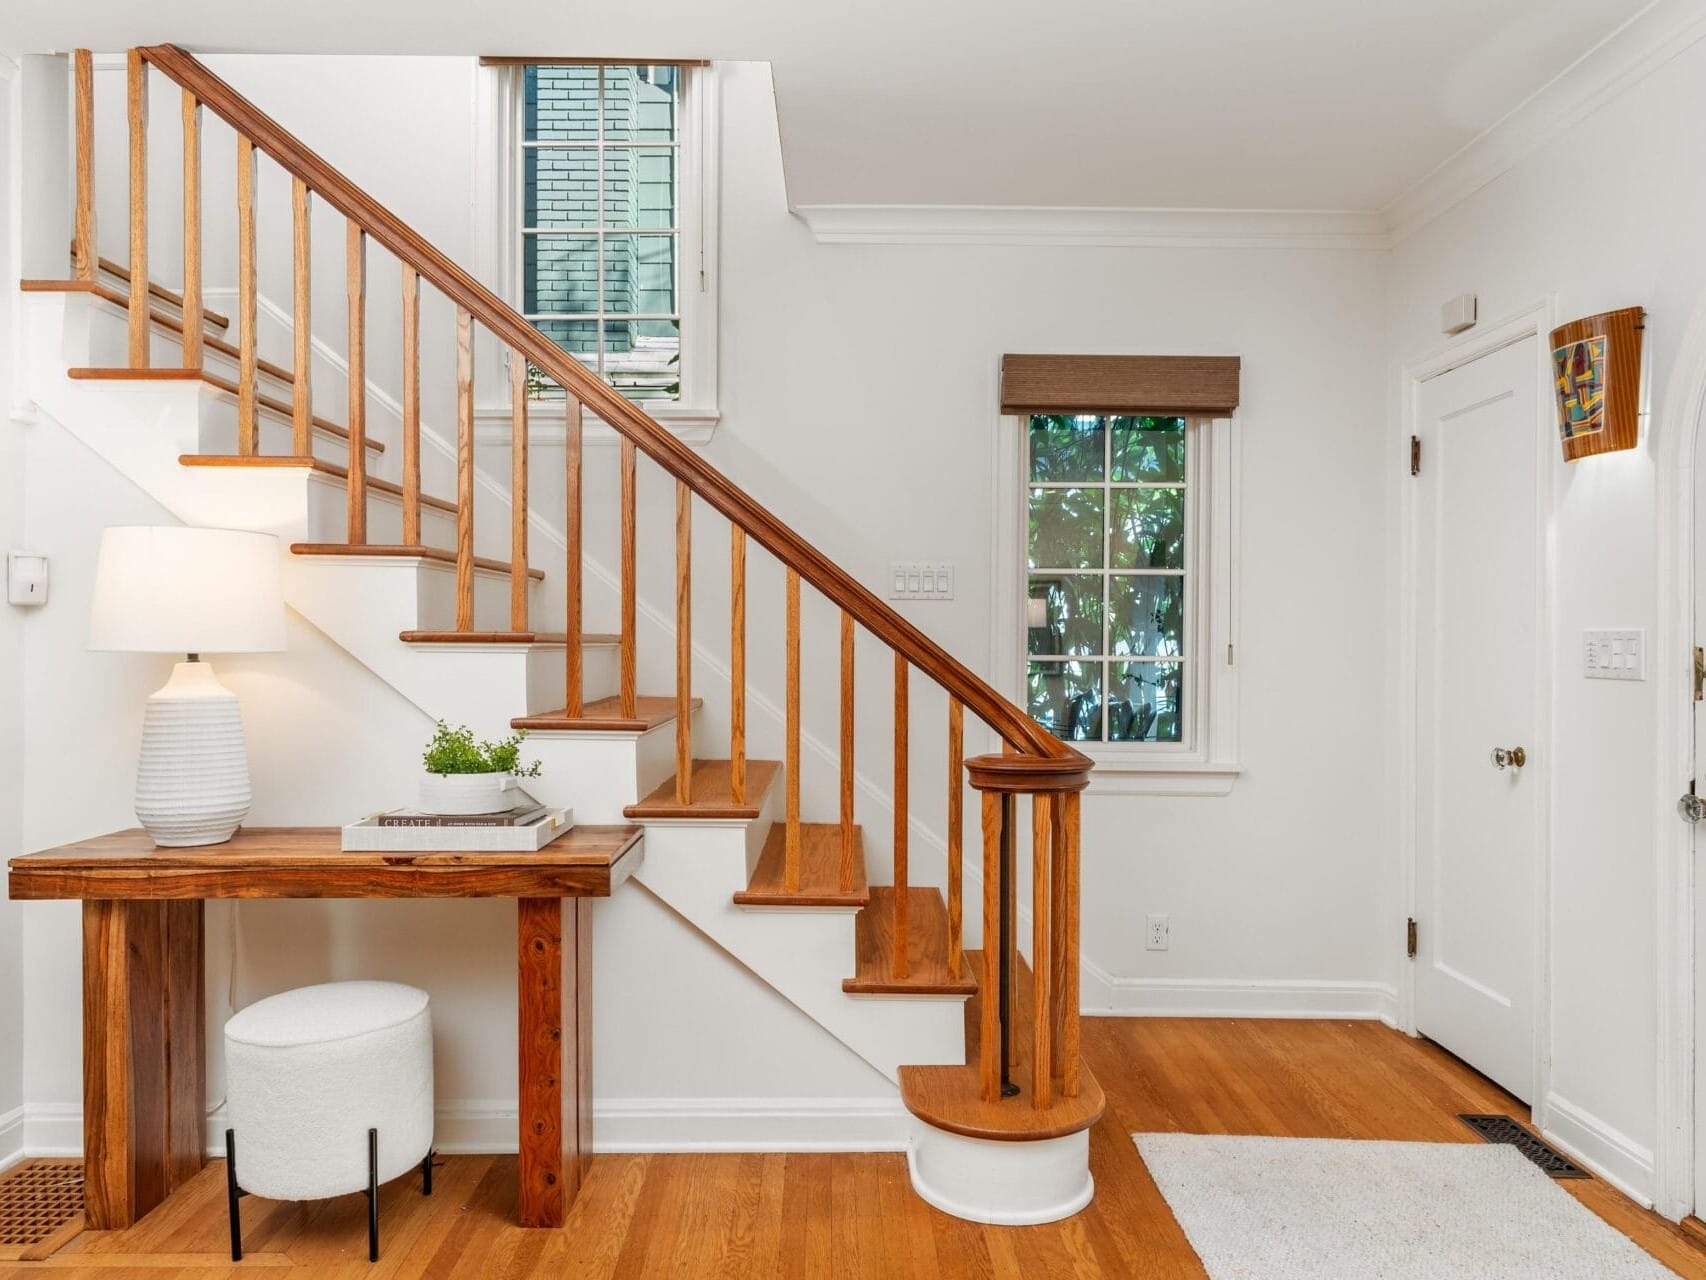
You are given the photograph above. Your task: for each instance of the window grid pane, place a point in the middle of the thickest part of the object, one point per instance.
(1132, 688)
(615, 304)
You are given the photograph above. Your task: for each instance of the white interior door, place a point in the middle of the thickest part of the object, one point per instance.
(1699, 832)
(1478, 563)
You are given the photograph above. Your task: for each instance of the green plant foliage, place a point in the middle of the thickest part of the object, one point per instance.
(456, 751)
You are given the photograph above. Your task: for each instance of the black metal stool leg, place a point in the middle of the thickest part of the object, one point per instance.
(373, 1195)
(426, 1173)
(232, 1195)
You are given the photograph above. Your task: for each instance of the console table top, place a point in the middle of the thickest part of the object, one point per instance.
(307, 862)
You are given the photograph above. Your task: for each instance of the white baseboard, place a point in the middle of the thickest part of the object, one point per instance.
(1598, 1147)
(619, 1125)
(12, 1148)
(1108, 996)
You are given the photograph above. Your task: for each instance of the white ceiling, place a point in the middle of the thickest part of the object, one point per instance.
(1208, 104)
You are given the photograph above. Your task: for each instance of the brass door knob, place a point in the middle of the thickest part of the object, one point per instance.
(1509, 757)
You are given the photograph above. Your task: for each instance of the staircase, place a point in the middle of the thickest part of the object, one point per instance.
(982, 1045)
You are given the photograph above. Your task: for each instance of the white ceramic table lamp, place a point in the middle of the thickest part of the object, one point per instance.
(189, 591)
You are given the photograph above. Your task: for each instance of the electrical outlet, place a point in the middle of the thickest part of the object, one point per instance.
(1157, 940)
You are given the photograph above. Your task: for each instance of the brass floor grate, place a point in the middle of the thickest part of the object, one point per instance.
(41, 1206)
(1552, 1162)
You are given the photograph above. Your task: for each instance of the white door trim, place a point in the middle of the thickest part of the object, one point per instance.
(1536, 320)
(1675, 450)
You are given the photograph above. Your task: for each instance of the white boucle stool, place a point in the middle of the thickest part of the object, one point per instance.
(330, 1091)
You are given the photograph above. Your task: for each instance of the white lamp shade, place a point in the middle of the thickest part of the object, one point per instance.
(169, 589)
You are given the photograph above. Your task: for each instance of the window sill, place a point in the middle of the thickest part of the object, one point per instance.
(1125, 773)
(546, 424)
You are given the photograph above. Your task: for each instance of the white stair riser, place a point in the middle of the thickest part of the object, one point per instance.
(1011, 1184)
(328, 516)
(109, 348)
(600, 774)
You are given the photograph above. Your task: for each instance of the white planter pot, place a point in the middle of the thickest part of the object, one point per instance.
(465, 793)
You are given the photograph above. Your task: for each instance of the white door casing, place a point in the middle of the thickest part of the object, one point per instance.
(1479, 603)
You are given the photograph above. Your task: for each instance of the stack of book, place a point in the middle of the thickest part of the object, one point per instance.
(527, 825)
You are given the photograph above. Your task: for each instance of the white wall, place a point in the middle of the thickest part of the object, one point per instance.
(1623, 231)
(859, 400)
(11, 658)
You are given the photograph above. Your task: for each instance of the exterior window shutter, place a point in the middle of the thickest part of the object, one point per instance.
(1201, 386)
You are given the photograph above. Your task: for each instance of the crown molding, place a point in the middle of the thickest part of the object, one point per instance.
(1623, 59)
(1092, 227)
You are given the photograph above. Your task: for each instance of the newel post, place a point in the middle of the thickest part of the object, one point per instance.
(1054, 784)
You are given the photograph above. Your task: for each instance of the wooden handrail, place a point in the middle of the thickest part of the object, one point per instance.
(508, 326)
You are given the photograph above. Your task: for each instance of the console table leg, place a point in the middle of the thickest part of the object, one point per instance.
(144, 1030)
(554, 963)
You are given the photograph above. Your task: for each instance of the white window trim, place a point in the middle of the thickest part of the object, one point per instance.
(693, 418)
(1209, 763)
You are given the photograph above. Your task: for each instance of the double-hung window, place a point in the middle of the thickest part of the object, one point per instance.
(1110, 559)
(1117, 533)
(609, 228)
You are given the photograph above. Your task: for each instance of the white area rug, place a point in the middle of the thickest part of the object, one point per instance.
(1331, 1209)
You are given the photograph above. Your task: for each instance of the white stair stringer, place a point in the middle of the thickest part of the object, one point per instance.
(803, 953)
(363, 603)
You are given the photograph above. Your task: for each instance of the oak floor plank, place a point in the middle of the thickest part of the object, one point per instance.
(849, 1216)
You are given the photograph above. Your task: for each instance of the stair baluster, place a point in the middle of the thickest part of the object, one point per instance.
(136, 86)
(683, 644)
(411, 407)
(956, 822)
(518, 494)
(464, 470)
(629, 683)
(989, 980)
(791, 764)
(901, 962)
(574, 676)
(355, 287)
(85, 251)
(1042, 920)
(302, 330)
(849, 851)
(193, 315)
(737, 664)
(248, 427)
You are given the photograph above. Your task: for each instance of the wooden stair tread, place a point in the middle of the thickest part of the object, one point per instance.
(927, 947)
(213, 319)
(504, 637)
(313, 464)
(820, 870)
(274, 406)
(712, 795)
(399, 549)
(604, 715)
(951, 1097)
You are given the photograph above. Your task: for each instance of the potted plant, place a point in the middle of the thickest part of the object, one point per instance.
(465, 776)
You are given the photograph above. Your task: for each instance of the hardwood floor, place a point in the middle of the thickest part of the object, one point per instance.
(854, 1215)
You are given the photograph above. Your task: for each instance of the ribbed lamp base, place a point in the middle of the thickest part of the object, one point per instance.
(192, 780)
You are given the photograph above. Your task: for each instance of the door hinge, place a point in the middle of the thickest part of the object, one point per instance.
(1699, 673)
(1415, 455)
(1410, 937)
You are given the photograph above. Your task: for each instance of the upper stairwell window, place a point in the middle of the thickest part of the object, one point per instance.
(607, 235)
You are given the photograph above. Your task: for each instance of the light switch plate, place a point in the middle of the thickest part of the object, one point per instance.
(921, 580)
(1614, 655)
(26, 578)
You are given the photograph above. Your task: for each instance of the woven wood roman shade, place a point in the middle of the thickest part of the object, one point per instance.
(496, 61)
(1206, 385)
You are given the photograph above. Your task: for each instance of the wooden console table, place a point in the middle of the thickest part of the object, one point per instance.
(145, 1027)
